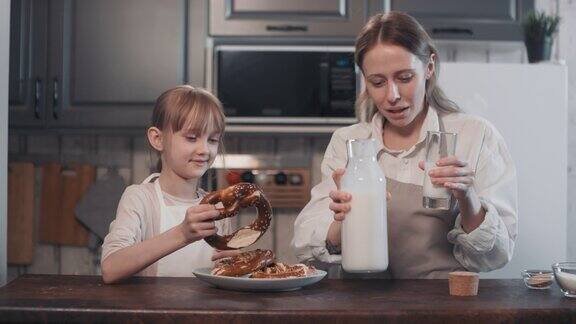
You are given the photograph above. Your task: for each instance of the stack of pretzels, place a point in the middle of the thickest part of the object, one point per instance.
(256, 263)
(260, 264)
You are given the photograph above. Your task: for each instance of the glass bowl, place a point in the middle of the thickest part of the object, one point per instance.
(565, 274)
(538, 279)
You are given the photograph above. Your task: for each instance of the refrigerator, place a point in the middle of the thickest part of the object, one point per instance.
(528, 105)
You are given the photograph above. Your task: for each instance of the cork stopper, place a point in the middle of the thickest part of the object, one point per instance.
(463, 283)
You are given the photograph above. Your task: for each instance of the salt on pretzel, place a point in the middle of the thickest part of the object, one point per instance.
(233, 198)
(281, 270)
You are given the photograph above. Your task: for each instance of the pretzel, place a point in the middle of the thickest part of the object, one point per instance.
(243, 263)
(233, 198)
(280, 270)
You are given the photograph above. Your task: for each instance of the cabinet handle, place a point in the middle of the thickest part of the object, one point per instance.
(55, 98)
(324, 85)
(287, 28)
(453, 30)
(37, 97)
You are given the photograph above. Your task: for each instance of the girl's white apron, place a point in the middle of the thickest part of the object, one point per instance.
(179, 263)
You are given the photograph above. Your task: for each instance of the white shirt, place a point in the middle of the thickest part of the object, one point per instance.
(488, 247)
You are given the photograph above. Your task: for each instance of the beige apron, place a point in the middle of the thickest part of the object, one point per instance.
(418, 247)
(417, 236)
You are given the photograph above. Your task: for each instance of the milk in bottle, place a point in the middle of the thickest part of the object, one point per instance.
(364, 229)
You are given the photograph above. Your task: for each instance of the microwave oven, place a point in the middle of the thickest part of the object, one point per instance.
(286, 84)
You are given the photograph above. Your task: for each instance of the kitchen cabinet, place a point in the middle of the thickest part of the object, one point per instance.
(343, 18)
(107, 61)
(490, 20)
(27, 62)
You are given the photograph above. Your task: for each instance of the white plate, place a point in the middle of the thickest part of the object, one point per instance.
(250, 284)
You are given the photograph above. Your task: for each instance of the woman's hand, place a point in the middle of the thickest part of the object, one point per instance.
(457, 176)
(453, 174)
(340, 204)
(219, 254)
(199, 222)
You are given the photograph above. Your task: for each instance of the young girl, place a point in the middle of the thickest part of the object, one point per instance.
(160, 226)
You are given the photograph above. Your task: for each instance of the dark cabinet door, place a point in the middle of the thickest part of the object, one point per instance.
(27, 69)
(496, 20)
(287, 18)
(109, 60)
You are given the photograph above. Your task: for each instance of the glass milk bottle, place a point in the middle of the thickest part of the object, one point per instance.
(365, 228)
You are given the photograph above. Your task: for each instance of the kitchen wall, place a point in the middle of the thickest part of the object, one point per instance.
(566, 49)
(129, 153)
(565, 52)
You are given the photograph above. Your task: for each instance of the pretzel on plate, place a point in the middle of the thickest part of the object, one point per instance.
(243, 263)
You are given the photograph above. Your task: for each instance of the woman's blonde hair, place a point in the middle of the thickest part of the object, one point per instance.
(187, 107)
(402, 30)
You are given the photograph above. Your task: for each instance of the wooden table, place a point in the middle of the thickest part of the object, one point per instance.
(86, 299)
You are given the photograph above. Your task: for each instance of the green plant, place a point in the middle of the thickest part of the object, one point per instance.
(538, 25)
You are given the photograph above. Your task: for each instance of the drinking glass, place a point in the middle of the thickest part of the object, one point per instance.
(438, 146)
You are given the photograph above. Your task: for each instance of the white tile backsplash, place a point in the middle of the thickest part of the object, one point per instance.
(284, 230)
(117, 149)
(76, 261)
(143, 160)
(79, 145)
(42, 144)
(319, 146)
(264, 145)
(46, 260)
(13, 144)
(294, 147)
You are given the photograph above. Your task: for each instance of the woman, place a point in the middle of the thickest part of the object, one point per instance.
(401, 102)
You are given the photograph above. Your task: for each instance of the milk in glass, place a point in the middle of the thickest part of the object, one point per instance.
(364, 229)
(436, 192)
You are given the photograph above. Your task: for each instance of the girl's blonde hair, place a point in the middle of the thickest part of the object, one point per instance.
(402, 30)
(188, 107)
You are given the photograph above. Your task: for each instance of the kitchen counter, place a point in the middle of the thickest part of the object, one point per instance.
(59, 298)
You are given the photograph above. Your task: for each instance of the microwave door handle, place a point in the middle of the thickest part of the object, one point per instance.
(324, 86)
(359, 80)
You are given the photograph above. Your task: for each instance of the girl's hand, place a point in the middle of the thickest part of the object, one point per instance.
(219, 254)
(199, 222)
(340, 204)
(453, 174)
